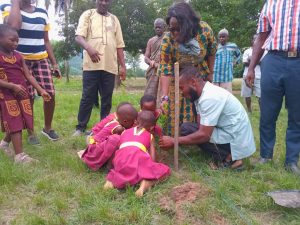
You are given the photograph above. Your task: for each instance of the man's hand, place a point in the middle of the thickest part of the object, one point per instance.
(122, 73)
(19, 90)
(45, 96)
(94, 55)
(56, 71)
(250, 78)
(166, 142)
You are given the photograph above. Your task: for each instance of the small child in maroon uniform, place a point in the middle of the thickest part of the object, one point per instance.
(148, 102)
(103, 144)
(133, 163)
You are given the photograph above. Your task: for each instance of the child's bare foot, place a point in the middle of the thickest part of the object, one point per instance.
(80, 153)
(139, 193)
(213, 165)
(108, 185)
(145, 186)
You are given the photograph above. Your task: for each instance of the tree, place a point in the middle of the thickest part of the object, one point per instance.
(238, 16)
(136, 18)
(133, 61)
(65, 49)
(162, 6)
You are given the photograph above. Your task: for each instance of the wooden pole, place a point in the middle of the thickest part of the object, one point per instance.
(176, 130)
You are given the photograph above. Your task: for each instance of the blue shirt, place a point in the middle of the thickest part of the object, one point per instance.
(226, 56)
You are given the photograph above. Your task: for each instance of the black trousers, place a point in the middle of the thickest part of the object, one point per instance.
(217, 152)
(92, 82)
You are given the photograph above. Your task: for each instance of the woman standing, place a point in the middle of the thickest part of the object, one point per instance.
(189, 42)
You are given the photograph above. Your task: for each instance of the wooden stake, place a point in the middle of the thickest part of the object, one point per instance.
(176, 130)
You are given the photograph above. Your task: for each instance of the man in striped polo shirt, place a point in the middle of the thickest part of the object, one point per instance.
(32, 25)
(279, 33)
(228, 55)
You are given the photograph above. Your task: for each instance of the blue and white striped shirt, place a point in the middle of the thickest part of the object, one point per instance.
(31, 35)
(226, 56)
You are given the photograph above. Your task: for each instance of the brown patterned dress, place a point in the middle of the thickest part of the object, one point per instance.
(15, 111)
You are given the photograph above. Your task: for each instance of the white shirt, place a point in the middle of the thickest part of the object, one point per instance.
(246, 58)
(219, 108)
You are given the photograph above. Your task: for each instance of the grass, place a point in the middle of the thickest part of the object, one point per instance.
(62, 190)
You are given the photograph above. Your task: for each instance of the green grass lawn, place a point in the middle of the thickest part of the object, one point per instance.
(62, 190)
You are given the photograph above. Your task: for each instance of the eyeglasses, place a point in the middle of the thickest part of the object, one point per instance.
(174, 29)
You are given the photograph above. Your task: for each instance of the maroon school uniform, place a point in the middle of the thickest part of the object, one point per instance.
(99, 126)
(102, 146)
(132, 163)
(16, 111)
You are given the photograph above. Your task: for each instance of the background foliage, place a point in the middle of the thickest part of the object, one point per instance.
(137, 16)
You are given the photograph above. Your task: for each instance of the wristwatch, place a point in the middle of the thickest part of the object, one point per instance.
(164, 98)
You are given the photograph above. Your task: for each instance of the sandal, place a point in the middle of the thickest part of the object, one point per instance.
(23, 158)
(4, 146)
(237, 165)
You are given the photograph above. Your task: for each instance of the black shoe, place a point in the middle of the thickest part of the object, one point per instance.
(294, 168)
(51, 135)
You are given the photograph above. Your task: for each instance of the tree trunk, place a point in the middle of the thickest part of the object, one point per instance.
(67, 70)
(67, 38)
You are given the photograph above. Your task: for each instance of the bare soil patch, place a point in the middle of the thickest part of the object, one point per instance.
(181, 196)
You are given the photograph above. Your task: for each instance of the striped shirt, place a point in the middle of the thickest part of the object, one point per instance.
(226, 56)
(32, 32)
(282, 20)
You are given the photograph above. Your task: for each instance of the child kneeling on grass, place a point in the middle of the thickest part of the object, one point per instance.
(15, 106)
(132, 163)
(103, 144)
(148, 102)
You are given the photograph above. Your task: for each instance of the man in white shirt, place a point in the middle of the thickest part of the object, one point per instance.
(221, 119)
(246, 91)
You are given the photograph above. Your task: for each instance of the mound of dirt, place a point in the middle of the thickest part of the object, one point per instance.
(185, 193)
(181, 195)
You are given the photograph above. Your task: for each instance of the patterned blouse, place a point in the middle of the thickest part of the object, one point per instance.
(170, 54)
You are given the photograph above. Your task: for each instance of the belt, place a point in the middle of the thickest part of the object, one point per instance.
(286, 54)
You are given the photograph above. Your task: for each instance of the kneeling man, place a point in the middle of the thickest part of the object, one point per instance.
(223, 127)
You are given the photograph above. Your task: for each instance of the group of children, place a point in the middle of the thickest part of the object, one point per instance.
(124, 142)
(15, 103)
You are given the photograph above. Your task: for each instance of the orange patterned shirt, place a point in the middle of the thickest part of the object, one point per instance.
(169, 51)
